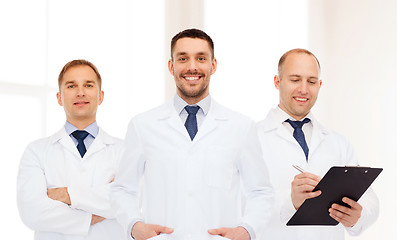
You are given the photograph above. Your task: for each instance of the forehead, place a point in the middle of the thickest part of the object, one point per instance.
(80, 73)
(301, 63)
(191, 46)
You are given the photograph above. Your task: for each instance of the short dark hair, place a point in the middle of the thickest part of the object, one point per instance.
(296, 50)
(79, 62)
(192, 33)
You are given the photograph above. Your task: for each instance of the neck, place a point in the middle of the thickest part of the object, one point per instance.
(81, 125)
(192, 100)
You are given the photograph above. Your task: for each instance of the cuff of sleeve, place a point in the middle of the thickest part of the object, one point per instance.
(249, 229)
(357, 228)
(130, 226)
(74, 196)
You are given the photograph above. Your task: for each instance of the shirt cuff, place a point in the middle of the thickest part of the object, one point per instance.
(249, 229)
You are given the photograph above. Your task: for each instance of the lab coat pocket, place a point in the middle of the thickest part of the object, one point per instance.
(220, 167)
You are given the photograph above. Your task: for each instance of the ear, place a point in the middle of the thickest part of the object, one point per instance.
(101, 96)
(214, 65)
(277, 81)
(171, 66)
(59, 98)
(321, 82)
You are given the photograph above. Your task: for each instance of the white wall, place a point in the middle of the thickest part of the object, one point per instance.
(357, 45)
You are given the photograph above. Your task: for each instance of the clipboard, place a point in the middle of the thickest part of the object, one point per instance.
(337, 183)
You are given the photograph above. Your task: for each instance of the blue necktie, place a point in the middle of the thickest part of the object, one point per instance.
(299, 135)
(191, 121)
(80, 136)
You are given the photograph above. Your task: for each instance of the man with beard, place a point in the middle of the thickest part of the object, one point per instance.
(194, 155)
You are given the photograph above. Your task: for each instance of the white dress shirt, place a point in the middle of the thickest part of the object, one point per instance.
(326, 149)
(192, 186)
(55, 162)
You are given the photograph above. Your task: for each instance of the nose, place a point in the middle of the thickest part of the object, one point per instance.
(192, 66)
(80, 91)
(303, 87)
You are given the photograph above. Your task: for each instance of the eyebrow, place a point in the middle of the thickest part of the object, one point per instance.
(185, 53)
(297, 75)
(74, 82)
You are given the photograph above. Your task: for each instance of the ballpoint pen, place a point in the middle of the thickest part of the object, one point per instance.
(298, 168)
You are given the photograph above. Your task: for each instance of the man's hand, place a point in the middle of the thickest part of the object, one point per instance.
(96, 219)
(237, 233)
(59, 194)
(347, 216)
(143, 231)
(302, 187)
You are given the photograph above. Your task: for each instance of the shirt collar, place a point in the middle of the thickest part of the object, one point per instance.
(92, 129)
(180, 104)
(281, 116)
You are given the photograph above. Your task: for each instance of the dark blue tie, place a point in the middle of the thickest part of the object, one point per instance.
(299, 135)
(80, 136)
(191, 121)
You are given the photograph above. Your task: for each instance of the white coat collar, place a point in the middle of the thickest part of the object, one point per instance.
(100, 142)
(273, 122)
(215, 114)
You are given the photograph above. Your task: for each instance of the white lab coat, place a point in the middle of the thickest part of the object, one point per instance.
(192, 186)
(55, 162)
(326, 149)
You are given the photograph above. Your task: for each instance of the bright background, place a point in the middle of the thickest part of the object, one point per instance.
(355, 41)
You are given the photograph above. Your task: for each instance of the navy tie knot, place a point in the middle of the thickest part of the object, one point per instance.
(191, 121)
(80, 136)
(192, 109)
(298, 124)
(299, 135)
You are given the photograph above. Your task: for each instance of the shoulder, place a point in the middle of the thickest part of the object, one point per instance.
(160, 111)
(222, 112)
(108, 139)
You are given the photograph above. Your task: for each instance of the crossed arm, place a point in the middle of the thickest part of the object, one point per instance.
(62, 195)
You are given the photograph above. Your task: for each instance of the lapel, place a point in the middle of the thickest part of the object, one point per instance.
(168, 113)
(64, 139)
(318, 135)
(100, 142)
(215, 116)
(273, 124)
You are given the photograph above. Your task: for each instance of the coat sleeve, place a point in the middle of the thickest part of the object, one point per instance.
(258, 189)
(94, 200)
(124, 194)
(39, 212)
(369, 201)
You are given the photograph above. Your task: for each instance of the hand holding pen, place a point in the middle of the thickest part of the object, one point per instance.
(302, 187)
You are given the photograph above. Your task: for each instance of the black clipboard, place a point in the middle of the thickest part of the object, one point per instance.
(337, 183)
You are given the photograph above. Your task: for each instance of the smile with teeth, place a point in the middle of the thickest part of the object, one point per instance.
(300, 99)
(192, 78)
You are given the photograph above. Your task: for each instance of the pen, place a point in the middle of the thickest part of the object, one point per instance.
(298, 168)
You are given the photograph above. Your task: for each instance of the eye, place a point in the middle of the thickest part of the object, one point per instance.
(70, 86)
(182, 59)
(201, 59)
(312, 82)
(294, 79)
(89, 85)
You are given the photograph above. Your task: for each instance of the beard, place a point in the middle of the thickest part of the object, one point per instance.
(192, 93)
